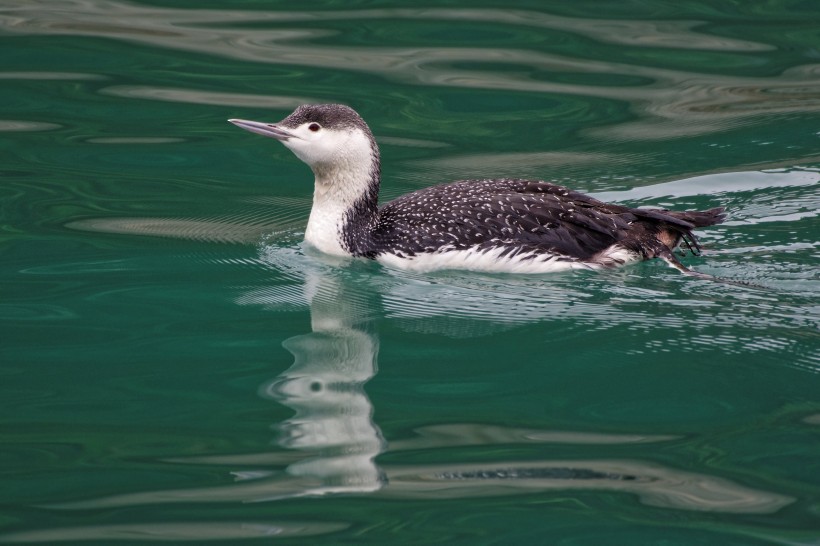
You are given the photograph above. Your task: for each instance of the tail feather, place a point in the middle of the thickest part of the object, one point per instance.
(675, 226)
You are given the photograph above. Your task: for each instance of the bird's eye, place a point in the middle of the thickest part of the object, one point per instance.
(314, 127)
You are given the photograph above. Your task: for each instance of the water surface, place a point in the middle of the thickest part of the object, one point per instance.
(177, 366)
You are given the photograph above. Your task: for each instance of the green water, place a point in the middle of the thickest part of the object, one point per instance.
(176, 366)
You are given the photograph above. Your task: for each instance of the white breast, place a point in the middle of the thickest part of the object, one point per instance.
(324, 228)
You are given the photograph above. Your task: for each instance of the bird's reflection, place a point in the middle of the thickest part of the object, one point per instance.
(330, 444)
(333, 424)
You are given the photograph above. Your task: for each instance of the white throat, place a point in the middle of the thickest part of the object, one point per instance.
(339, 184)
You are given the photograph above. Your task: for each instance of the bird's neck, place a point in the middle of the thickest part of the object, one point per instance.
(345, 205)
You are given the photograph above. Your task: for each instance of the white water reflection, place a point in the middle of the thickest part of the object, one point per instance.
(216, 230)
(675, 102)
(48, 75)
(722, 183)
(655, 485)
(14, 125)
(196, 96)
(200, 531)
(333, 425)
(332, 443)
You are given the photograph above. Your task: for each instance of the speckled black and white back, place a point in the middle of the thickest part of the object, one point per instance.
(515, 225)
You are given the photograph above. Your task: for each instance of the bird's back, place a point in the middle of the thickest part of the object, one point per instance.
(520, 216)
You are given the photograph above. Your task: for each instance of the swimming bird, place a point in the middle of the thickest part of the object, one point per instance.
(498, 225)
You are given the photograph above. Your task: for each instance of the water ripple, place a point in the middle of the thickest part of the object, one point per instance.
(10, 125)
(719, 183)
(674, 103)
(655, 485)
(209, 230)
(134, 140)
(177, 531)
(48, 75)
(195, 96)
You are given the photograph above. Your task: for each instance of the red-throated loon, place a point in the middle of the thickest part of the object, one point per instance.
(500, 225)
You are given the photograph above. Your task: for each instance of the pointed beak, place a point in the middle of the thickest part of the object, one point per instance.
(265, 129)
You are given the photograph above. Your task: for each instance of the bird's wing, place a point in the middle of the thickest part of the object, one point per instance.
(528, 215)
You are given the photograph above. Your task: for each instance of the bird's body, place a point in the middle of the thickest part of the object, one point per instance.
(499, 225)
